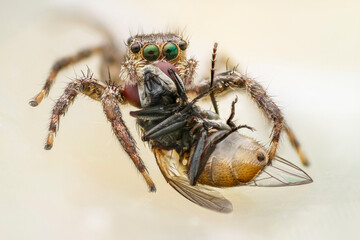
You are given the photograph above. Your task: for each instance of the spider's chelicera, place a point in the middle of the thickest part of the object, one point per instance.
(192, 146)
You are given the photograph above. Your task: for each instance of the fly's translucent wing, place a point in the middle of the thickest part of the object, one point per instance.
(201, 195)
(175, 175)
(280, 173)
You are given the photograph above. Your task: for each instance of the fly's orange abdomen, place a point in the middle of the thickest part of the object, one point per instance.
(235, 161)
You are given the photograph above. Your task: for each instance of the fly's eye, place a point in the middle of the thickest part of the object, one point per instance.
(135, 48)
(170, 51)
(183, 45)
(151, 52)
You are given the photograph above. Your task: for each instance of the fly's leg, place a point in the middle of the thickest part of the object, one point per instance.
(195, 157)
(110, 99)
(88, 86)
(60, 65)
(167, 126)
(229, 122)
(266, 104)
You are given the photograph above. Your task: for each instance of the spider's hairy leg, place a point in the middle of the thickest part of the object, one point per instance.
(86, 85)
(228, 80)
(295, 143)
(60, 65)
(271, 110)
(110, 99)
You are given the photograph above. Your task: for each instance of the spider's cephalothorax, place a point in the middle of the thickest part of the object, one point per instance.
(145, 49)
(131, 77)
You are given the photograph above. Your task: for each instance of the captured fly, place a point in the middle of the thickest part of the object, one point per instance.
(194, 149)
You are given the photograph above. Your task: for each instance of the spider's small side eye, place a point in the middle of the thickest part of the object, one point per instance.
(183, 45)
(151, 52)
(170, 51)
(135, 48)
(128, 42)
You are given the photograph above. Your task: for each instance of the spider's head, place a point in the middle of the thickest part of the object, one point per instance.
(148, 49)
(161, 46)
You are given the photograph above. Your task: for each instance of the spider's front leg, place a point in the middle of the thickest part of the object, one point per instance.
(110, 96)
(110, 99)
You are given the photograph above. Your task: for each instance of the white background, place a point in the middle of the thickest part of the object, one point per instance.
(307, 55)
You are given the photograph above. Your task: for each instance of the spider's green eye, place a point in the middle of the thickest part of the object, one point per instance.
(170, 51)
(151, 52)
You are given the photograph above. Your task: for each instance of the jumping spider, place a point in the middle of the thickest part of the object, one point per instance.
(128, 83)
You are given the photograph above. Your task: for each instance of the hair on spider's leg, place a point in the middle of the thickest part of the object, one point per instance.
(59, 109)
(60, 65)
(87, 86)
(295, 143)
(228, 80)
(110, 99)
(272, 111)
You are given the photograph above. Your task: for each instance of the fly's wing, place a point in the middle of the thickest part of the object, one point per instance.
(201, 195)
(280, 173)
(177, 178)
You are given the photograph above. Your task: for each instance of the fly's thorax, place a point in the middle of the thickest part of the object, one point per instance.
(153, 85)
(235, 161)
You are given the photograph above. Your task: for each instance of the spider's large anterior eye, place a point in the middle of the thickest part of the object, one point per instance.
(135, 48)
(183, 45)
(170, 51)
(151, 52)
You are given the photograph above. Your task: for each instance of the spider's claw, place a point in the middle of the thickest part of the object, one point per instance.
(33, 103)
(49, 142)
(38, 98)
(152, 188)
(47, 147)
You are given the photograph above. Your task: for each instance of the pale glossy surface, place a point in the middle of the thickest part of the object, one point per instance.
(305, 53)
